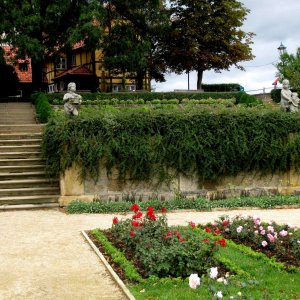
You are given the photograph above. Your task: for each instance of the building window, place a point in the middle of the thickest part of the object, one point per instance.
(130, 88)
(117, 87)
(61, 64)
(23, 67)
(51, 88)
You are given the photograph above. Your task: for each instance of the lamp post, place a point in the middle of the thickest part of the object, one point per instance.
(281, 49)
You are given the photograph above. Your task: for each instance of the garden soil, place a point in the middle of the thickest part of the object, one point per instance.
(44, 256)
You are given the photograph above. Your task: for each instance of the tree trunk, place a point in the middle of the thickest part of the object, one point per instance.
(140, 80)
(37, 76)
(199, 79)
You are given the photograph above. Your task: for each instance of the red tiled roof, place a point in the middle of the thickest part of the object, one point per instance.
(9, 54)
(80, 70)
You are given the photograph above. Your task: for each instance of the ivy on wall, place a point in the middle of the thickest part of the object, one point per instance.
(141, 144)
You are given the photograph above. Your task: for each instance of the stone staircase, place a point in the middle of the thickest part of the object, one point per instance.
(23, 181)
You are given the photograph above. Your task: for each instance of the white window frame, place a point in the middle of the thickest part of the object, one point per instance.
(62, 63)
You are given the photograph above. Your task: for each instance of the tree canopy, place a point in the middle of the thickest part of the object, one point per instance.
(207, 35)
(37, 28)
(289, 68)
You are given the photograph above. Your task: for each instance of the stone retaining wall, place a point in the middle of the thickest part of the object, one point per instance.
(188, 186)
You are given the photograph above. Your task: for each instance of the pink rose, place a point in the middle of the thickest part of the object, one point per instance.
(283, 233)
(264, 243)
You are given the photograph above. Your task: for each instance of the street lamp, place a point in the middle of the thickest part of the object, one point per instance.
(281, 49)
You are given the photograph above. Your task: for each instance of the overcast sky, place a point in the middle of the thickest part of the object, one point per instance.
(273, 22)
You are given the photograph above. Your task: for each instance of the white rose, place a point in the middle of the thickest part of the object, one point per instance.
(194, 281)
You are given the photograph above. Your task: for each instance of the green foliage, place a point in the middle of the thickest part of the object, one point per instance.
(206, 36)
(101, 206)
(8, 77)
(117, 256)
(248, 100)
(221, 87)
(276, 95)
(163, 251)
(144, 143)
(146, 96)
(256, 233)
(289, 68)
(43, 108)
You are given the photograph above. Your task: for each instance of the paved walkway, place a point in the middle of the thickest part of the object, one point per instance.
(44, 256)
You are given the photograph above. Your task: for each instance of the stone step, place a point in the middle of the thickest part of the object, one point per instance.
(31, 199)
(29, 191)
(20, 142)
(21, 128)
(17, 121)
(20, 148)
(21, 168)
(6, 207)
(27, 183)
(22, 136)
(16, 162)
(25, 175)
(14, 155)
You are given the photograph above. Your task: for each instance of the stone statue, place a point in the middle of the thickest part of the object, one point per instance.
(286, 96)
(72, 100)
(294, 102)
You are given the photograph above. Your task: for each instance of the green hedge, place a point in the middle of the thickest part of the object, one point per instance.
(276, 95)
(57, 97)
(43, 108)
(141, 143)
(222, 87)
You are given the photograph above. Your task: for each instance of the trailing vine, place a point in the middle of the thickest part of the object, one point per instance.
(146, 143)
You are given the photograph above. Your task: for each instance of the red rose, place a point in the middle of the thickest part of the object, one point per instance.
(131, 233)
(150, 210)
(115, 220)
(135, 207)
(163, 210)
(207, 229)
(178, 235)
(217, 231)
(152, 217)
(138, 215)
(135, 223)
(225, 222)
(205, 241)
(222, 242)
(192, 224)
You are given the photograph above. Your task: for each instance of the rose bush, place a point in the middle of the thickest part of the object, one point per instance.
(163, 250)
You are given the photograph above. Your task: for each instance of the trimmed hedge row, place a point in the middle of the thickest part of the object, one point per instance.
(144, 143)
(42, 106)
(148, 96)
(222, 87)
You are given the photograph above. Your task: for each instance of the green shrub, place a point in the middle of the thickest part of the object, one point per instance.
(161, 250)
(276, 95)
(223, 87)
(248, 100)
(147, 96)
(144, 143)
(43, 108)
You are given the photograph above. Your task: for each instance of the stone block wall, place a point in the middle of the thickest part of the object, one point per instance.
(111, 188)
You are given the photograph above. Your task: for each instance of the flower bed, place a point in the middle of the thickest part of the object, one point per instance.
(160, 262)
(279, 241)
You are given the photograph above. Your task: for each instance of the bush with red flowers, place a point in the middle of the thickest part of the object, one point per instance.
(162, 250)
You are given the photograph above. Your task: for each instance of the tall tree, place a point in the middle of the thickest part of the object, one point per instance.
(8, 77)
(134, 28)
(206, 35)
(38, 27)
(289, 68)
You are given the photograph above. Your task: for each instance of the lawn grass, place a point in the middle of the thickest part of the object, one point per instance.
(261, 280)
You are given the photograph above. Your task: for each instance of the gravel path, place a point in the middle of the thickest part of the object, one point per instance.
(44, 256)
